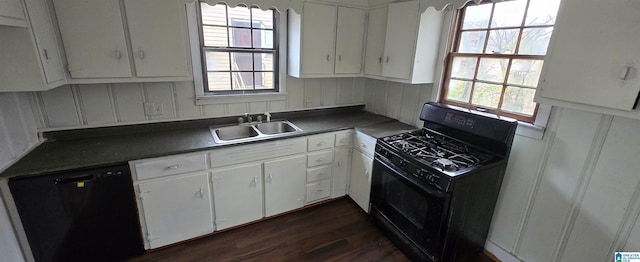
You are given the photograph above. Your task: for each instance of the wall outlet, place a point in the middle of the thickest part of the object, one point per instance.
(153, 109)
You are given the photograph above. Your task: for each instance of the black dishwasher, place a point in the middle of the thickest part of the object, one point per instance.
(80, 215)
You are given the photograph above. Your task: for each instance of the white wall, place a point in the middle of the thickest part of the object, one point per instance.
(17, 136)
(573, 196)
(75, 106)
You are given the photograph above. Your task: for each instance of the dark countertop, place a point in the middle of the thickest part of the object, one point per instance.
(95, 147)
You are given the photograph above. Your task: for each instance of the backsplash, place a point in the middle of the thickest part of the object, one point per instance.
(396, 100)
(75, 106)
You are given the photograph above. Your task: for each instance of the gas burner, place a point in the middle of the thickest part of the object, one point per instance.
(437, 151)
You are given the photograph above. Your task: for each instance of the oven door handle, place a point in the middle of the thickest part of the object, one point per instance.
(431, 191)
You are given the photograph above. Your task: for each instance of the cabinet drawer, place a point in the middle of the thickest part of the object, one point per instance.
(344, 139)
(320, 142)
(320, 158)
(255, 152)
(152, 168)
(318, 190)
(365, 143)
(318, 173)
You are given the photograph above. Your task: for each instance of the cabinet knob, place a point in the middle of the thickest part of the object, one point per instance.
(141, 54)
(366, 173)
(320, 159)
(380, 60)
(45, 54)
(174, 167)
(339, 58)
(387, 59)
(363, 145)
(319, 144)
(327, 57)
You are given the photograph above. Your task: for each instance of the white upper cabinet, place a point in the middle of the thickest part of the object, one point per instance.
(11, 13)
(349, 40)
(150, 23)
(376, 32)
(411, 42)
(593, 58)
(93, 37)
(97, 46)
(46, 42)
(318, 38)
(326, 41)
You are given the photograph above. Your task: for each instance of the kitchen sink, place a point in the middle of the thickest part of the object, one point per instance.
(252, 131)
(279, 127)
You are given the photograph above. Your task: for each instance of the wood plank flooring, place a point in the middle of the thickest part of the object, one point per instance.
(334, 231)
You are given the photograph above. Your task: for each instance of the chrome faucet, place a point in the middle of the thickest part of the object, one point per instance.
(248, 117)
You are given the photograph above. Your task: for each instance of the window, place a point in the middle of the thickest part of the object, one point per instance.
(239, 49)
(496, 56)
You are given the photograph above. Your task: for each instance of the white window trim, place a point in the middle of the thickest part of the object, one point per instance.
(533, 130)
(196, 62)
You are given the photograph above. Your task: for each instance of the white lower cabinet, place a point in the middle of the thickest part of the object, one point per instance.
(237, 194)
(341, 170)
(361, 167)
(175, 209)
(284, 185)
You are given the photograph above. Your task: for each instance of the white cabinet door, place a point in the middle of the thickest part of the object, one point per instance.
(284, 184)
(318, 38)
(93, 38)
(593, 49)
(400, 39)
(46, 43)
(376, 32)
(341, 168)
(360, 180)
(176, 209)
(349, 40)
(156, 31)
(237, 194)
(11, 13)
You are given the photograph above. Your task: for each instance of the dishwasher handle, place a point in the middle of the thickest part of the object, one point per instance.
(69, 180)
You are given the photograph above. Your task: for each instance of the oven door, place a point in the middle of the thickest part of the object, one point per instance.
(417, 211)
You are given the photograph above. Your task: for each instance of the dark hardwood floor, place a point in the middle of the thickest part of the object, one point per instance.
(334, 231)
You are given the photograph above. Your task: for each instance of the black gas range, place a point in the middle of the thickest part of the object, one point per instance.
(434, 189)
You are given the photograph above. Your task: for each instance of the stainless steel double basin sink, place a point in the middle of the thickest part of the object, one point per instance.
(252, 131)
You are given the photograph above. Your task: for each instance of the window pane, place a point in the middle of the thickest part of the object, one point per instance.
(486, 95)
(262, 19)
(535, 41)
(464, 67)
(472, 42)
(242, 80)
(218, 61)
(542, 12)
(241, 62)
(502, 41)
(214, 15)
(459, 90)
(492, 69)
(519, 100)
(263, 62)
(240, 37)
(509, 13)
(219, 81)
(525, 72)
(262, 38)
(215, 36)
(477, 16)
(239, 16)
(264, 80)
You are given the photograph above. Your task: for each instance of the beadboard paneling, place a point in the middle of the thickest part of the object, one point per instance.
(312, 93)
(185, 104)
(95, 108)
(345, 91)
(60, 107)
(161, 93)
(329, 92)
(129, 102)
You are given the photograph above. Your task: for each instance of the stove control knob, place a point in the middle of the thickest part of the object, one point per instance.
(423, 173)
(403, 163)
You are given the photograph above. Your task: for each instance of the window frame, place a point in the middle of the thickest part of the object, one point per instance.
(541, 112)
(202, 98)
(274, 51)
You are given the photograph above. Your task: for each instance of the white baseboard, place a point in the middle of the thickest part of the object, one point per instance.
(500, 253)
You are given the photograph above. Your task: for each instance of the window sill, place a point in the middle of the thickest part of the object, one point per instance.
(243, 98)
(530, 130)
